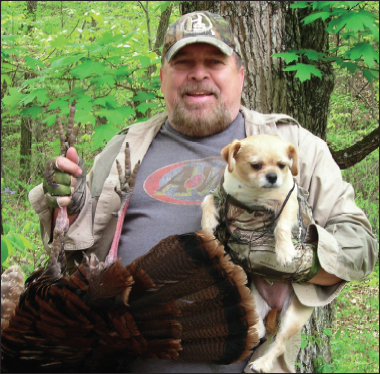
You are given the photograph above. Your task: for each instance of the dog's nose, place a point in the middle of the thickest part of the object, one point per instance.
(271, 177)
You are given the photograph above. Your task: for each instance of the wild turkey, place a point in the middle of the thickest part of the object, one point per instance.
(183, 300)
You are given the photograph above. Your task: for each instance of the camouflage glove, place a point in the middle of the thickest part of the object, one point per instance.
(58, 183)
(252, 243)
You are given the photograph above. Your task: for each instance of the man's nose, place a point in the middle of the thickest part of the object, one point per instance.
(199, 72)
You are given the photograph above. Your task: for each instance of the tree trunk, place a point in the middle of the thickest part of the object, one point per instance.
(25, 150)
(264, 28)
(26, 127)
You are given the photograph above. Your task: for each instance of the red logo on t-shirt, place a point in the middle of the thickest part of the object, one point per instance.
(186, 182)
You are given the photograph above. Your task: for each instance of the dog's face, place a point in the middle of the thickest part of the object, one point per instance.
(261, 161)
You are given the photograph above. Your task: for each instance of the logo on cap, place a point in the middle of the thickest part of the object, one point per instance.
(193, 24)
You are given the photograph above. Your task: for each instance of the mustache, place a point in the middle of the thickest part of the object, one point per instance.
(190, 87)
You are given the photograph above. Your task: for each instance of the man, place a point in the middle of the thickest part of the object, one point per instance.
(202, 81)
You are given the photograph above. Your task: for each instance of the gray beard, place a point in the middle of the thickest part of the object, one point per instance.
(187, 121)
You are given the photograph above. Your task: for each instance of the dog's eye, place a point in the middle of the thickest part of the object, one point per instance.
(281, 166)
(256, 166)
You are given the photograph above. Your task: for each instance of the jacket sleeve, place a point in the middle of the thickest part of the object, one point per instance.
(346, 246)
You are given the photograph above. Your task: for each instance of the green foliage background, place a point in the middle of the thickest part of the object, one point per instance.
(100, 55)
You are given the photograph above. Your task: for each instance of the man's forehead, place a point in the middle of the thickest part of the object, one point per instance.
(199, 49)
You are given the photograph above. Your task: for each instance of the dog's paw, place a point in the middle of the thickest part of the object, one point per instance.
(209, 223)
(261, 365)
(285, 253)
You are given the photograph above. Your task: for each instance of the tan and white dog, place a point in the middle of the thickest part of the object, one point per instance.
(260, 172)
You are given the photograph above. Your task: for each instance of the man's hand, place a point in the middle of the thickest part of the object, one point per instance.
(61, 186)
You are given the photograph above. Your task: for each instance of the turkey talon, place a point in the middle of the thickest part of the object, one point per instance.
(69, 139)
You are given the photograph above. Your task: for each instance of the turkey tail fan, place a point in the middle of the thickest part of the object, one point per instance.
(183, 300)
(189, 279)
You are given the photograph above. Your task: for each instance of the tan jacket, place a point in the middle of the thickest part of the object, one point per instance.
(346, 247)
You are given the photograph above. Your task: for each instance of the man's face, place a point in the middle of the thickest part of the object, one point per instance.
(202, 88)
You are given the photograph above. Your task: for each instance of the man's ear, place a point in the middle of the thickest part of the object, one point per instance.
(242, 77)
(229, 153)
(293, 155)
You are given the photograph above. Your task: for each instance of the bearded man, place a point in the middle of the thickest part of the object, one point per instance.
(202, 80)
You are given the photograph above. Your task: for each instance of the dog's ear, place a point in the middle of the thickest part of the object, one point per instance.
(229, 152)
(293, 155)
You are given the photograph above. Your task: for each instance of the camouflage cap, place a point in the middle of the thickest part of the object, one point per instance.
(200, 27)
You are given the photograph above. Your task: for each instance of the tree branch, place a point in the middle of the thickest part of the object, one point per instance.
(352, 155)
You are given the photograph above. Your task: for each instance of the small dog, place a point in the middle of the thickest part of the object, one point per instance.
(260, 172)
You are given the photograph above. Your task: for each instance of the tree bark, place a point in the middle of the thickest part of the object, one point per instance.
(26, 131)
(25, 150)
(161, 29)
(264, 28)
(352, 155)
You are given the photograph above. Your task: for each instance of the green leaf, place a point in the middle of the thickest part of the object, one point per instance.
(142, 108)
(144, 60)
(314, 55)
(6, 248)
(83, 116)
(60, 42)
(27, 226)
(304, 71)
(17, 242)
(116, 116)
(350, 66)
(287, 56)
(300, 5)
(108, 102)
(314, 16)
(304, 344)
(40, 94)
(50, 120)
(143, 96)
(103, 133)
(26, 243)
(105, 79)
(14, 97)
(33, 112)
(364, 50)
(327, 332)
(370, 75)
(6, 78)
(67, 61)
(87, 69)
(62, 104)
(126, 111)
(355, 21)
(85, 106)
(32, 62)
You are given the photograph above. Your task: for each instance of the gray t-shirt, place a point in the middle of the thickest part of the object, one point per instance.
(175, 175)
